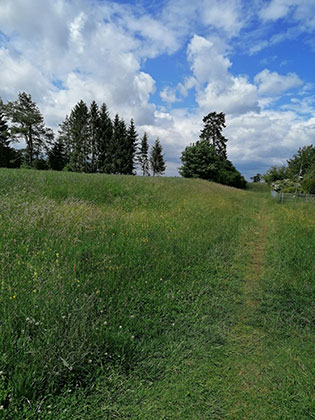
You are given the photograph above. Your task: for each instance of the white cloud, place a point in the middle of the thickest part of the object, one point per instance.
(274, 84)
(168, 94)
(217, 88)
(17, 73)
(230, 21)
(97, 50)
(189, 83)
(302, 11)
(238, 97)
(186, 16)
(207, 63)
(76, 28)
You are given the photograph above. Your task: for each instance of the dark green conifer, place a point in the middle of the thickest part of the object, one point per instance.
(94, 127)
(157, 161)
(79, 135)
(105, 138)
(142, 156)
(131, 147)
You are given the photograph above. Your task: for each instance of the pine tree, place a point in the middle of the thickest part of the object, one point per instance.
(213, 125)
(104, 145)
(79, 131)
(142, 156)
(57, 157)
(28, 124)
(131, 148)
(157, 161)
(94, 125)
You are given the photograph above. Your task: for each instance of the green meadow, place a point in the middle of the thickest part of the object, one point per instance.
(153, 298)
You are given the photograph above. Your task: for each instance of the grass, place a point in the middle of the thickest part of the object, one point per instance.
(163, 298)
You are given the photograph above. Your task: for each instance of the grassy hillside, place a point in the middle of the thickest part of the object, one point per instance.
(163, 298)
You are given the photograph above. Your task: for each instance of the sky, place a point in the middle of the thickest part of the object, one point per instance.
(167, 64)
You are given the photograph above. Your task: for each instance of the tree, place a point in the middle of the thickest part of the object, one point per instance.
(104, 143)
(302, 162)
(207, 159)
(119, 146)
(65, 137)
(276, 173)
(256, 178)
(157, 161)
(212, 132)
(94, 126)
(142, 156)
(5, 149)
(79, 137)
(200, 161)
(131, 147)
(57, 157)
(27, 123)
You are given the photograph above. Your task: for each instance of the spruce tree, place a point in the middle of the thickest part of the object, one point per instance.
(79, 134)
(157, 161)
(142, 156)
(94, 125)
(119, 146)
(104, 144)
(57, 157)
(28, 124)
(65, 137)
(131, 147)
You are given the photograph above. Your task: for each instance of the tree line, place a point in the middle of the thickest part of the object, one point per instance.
(87, 141)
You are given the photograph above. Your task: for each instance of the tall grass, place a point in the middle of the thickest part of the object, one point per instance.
(118, 294)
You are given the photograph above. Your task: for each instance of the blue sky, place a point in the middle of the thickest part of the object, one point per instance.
(167, 64)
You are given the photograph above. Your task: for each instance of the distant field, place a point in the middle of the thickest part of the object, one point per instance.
(153, 298)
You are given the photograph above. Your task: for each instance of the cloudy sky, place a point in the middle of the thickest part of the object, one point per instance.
(167, 63)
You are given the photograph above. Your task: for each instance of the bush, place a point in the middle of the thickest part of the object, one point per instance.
(200, 160)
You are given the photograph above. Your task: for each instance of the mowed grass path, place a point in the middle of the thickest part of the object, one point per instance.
(141, 298)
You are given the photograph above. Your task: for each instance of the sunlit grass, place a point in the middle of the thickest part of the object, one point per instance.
(119, 294)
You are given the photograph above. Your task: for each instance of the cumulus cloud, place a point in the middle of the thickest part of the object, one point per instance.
(62, 51)
(216, 87)
(185, 16)
(207, 63)
(169, 95)
(273, 84)
(300, 11)
(238, 97)
(91, 58)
